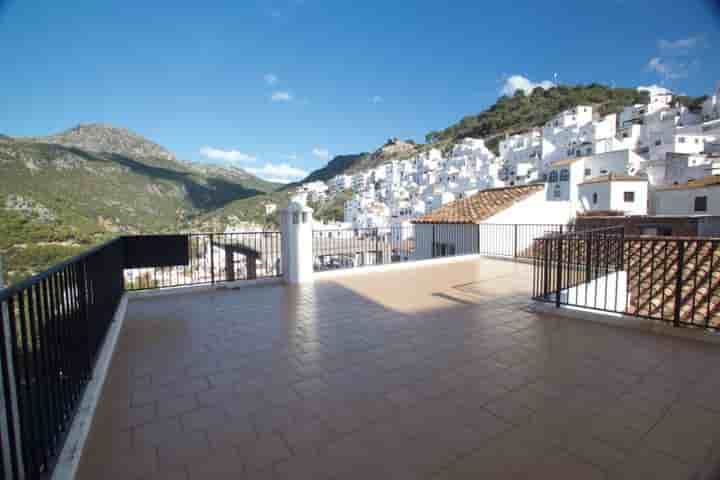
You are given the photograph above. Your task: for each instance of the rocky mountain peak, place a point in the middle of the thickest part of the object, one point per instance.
(104, 138)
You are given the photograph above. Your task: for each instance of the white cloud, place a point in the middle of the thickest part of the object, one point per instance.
(518, 82)
(271, 78)
(226, 155)
(667, 69)
(322, 153)
(377, 99)
(679, 47)
(278, 172)
(281, 96)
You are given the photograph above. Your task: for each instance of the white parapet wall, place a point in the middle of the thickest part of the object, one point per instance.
(608, 292)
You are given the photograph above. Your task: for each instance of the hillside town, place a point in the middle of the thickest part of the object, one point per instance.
(658, 158)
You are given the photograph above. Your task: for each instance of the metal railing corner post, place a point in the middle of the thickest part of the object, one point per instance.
(515, 241)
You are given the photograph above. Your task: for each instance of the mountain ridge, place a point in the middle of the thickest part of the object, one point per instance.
(87, 184)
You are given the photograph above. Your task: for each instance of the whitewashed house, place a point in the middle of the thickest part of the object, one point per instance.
(616, 193)
(711, 106)
(340, 182)
(698, 197)
(454, 229)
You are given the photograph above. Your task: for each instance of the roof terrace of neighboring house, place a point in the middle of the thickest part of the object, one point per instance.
(430, 365)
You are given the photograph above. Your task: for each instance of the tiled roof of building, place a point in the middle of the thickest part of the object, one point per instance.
(709, 181)
(566, 162)
(614, 177)
(481, 206)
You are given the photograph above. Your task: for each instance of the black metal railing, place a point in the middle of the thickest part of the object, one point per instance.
(672, 279)
(51, 329)
(357, 247)
(215, 258)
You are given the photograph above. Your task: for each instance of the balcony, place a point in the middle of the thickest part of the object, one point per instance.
(439, 369)
(350, 378)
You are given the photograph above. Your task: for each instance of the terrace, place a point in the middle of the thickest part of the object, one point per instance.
(363, 376)
(442, 368)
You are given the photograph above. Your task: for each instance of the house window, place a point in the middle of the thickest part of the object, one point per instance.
(629, 197)
(603, 172)
(681, 139)
(564, 175)
(658, 142)
(588, 172)
(701, 204)
(595, 198)
(553, 176)
(556, 191)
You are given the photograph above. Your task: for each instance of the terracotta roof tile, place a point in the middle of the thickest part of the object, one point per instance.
(481, 206)
(710, 180)
(567, 161)
(614, 177)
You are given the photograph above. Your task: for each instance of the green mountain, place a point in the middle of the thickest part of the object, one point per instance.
(61, 193)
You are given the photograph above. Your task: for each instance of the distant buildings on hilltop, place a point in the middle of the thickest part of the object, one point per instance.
(654, 158)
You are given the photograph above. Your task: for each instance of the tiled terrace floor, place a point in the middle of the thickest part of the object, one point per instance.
(434, 372)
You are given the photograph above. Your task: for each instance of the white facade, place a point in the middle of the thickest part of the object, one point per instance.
(627, 196)
(340, 182)
(711, 106)
(688, 201)
(660, 141)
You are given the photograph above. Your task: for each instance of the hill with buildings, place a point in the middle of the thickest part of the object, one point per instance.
(509, 115)
(65, 191)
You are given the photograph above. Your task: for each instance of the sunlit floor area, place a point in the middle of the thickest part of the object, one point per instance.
(437, 371)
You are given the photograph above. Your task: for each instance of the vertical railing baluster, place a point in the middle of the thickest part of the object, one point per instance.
(678, 282)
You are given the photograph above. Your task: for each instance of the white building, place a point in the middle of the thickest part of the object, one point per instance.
(616, 193)
(711, 106)
(564, 177)
(316, 191)
(454, 228)
(700, 196)
(340, 183)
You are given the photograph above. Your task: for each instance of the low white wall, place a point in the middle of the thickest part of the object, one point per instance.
(534, 210)
(608, 293)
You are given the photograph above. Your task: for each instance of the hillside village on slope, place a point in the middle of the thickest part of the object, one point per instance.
(658, 158)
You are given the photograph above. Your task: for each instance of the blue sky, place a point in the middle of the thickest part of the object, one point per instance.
(280, 86)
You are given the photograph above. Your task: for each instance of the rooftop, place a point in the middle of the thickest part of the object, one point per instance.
(709, 181)
(614, 177)
(481, 206)
(347, 378)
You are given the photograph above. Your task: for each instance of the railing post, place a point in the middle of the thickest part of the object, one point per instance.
(515, 241)
(546, 266)
(588, 257)
(559, 270)
(212, 258)
(377, 245)
(678, 282)
(11, 454)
